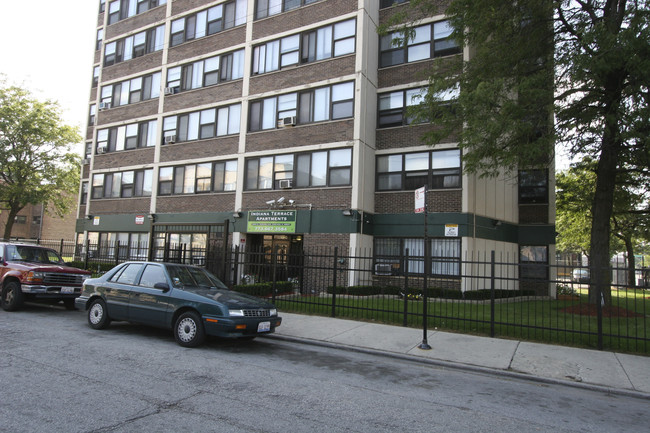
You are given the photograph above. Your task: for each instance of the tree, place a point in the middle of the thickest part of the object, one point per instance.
(36, 161)
(588, 61)
(630, 221)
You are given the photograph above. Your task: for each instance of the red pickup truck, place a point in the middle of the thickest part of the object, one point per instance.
(34, 273)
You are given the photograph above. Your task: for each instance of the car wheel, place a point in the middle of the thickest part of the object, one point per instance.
(98, 315)
(12, 296)
(188, 330)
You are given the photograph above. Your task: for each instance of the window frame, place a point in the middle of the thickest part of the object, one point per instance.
(389, 176)
(274, 173)
(177, 179)
(390, 54)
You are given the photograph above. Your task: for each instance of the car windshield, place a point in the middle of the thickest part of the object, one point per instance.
(191, 276)
(26, 253)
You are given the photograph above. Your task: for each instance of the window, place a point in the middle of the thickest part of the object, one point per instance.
(315, 169)
(123, 9)
(100, 38)
(198, 178)
(92, 112)
(200, 125)
(394, 106)
(20, 219)
(127, 137)
(444, 252)
(127, 274)
(95, 76)
(206, 72)
(533, 187)
(152, 275)
(533, 262)
(208, 22)
(84, 193)
(137, 45)
(122, 184)
(267, 8)
(132, 91)
(389, 3)
(429, 41)
(315, 105)
(323, 43)
(438, 169)
(102, 6)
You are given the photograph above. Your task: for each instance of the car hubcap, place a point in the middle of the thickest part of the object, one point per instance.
(9, 297)
(96, 314)
(186, 330)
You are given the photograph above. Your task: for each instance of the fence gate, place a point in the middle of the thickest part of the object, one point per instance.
(196, 244)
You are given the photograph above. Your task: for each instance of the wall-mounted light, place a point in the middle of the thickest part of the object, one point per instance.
(347, 212)
(236, 214)
(89, 217)
(280, 200)
(152, 217)
(291, 202)
(271, 202)
(496, 223)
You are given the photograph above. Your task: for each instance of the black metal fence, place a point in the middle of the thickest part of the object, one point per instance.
(483, 294)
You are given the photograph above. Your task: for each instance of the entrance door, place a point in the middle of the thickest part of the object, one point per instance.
(283, 250)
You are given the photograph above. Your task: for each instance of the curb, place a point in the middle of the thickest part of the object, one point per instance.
(466, 367)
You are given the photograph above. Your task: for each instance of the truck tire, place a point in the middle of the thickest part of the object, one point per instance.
(12, 297)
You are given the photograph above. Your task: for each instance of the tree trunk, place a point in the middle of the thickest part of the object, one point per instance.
(10, 222)
(600, 269)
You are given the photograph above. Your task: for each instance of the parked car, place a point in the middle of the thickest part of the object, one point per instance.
(187, 299)
(34, 273)
(580, 275)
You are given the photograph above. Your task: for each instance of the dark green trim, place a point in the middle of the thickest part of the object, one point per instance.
(333, 221)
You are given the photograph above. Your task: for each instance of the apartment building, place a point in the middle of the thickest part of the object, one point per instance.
(286, 120)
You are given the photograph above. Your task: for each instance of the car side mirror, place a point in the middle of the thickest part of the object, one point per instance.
(162, 286)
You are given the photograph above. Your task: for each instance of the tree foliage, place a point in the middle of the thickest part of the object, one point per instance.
(586, 61)
(37, 164)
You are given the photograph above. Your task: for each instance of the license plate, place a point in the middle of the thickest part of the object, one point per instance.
(264, 327)
(67, 289)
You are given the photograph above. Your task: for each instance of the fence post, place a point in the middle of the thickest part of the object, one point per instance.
(87, 253)
(406, 286)
(492, 267)
(61, 248)
(336, 260)
(274, 266)
(117, 253)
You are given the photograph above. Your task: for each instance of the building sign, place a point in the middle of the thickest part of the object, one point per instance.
(451, 230)
(96, 221)
(420, 196)
(139, 219)
(271, 221)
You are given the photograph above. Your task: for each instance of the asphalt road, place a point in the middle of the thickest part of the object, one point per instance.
(59, 375)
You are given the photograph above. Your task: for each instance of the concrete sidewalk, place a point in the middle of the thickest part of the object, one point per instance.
(612, 372)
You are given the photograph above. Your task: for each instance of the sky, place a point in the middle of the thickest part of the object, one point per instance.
(48, 48)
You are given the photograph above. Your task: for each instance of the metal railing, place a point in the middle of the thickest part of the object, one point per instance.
(483, 295)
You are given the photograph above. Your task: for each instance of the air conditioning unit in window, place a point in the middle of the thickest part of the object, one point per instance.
(85, 161)
(101, 149)
(285, 183)
(171, 90)
(383, 269)
(170, 139)
(287, 121)
(104, 106)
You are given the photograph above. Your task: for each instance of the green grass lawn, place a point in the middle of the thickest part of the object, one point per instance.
(540, 320)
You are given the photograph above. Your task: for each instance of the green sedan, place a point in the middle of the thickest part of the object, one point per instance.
(188, 299)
